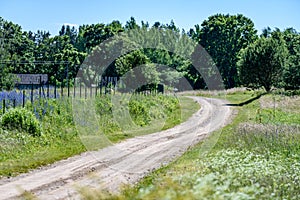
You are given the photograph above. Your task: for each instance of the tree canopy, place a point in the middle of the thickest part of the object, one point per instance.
(223, 36)
(272, 59)
(261, 63)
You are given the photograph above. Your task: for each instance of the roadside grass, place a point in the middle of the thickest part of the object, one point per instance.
(163, 115)
(256, 157)
(184, 110)
(34, 153)
(60, 139)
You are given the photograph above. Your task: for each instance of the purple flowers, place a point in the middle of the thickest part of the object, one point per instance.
(14, 98)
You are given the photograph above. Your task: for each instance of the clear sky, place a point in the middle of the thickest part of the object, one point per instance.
(51, 14)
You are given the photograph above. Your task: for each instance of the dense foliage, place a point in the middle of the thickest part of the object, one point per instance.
(21, 119)
(261, 62)
(223, 37)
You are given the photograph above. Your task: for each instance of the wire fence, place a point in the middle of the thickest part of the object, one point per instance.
(76, 89)
(22, 94)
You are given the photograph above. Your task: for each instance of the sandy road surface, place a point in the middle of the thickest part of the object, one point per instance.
(123, 163)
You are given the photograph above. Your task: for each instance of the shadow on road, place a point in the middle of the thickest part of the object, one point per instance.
(247, 101)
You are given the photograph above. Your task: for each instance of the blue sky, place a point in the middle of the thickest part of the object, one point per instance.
(50, 15)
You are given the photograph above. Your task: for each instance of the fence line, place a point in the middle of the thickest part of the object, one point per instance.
(25, 93)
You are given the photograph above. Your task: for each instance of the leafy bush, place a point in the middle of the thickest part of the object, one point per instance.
(142, 109)
(21, 119)
(139, 112)
(103, 105)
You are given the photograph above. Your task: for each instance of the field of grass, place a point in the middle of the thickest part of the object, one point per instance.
(256, 157)
(61, 138)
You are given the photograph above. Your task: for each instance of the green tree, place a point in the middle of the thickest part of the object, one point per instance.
(55, 56)
(71, 32)
(66, 58)
(90, 36)
(131, 24)
(266, 32)
(291, 74)
(137, 71)
(261, 63)
(129, 61)
(223, 36)
(15, 48)
(172, 49)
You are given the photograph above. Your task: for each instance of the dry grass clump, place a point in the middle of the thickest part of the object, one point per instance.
(247, 128)
(214, 92)
(285, 103)
(264, 138)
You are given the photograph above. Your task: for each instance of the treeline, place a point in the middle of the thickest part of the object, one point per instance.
(242, 57)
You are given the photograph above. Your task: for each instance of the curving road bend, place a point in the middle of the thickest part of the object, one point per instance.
(123, 163)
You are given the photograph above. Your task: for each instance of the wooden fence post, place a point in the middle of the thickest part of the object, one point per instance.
(61, 89)
(85, 91)
(74, 86)
(31, 96)
(23, 101)
(96, 88)
(48, 90)
(55, 89)
(80, 90)
(91, 91)
(3, 106)
(40, 88)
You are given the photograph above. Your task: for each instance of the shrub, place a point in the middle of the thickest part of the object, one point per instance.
(103, 105)
(139, 112)
(22, 120)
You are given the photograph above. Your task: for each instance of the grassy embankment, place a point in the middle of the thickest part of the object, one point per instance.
(256, 157)
(60, 138)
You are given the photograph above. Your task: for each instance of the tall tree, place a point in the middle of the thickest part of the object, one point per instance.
(266, 32)
(71, 32)
(223, 36)
(6, 80)
(90, 36)
(16, 51)
(195, 33)
(136, 70)
(131, 24)
(261, 63)
(291, 74)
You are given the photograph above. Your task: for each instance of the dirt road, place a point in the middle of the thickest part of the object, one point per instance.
(123, 163)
